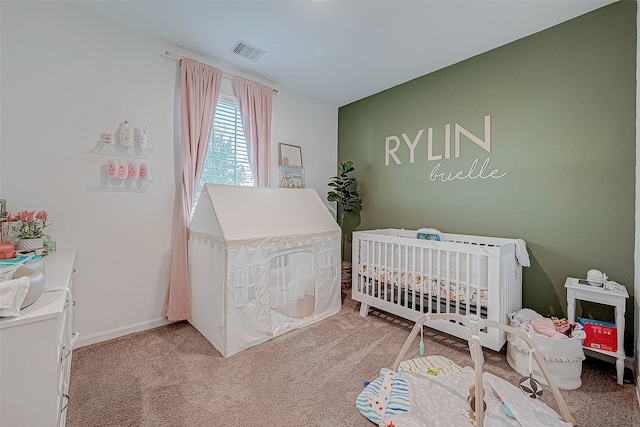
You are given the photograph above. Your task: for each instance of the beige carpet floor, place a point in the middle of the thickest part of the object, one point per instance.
(172, 376)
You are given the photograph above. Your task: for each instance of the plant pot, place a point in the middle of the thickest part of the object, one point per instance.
(28, 245)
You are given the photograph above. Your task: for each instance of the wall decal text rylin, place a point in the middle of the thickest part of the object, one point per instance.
(392, 144)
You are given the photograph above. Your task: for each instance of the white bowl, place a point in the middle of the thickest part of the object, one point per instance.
(36, 288)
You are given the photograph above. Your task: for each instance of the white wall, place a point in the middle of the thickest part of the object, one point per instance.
(67, 77)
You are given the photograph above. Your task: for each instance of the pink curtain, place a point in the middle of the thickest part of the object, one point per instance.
(255, 102)
(199, 91)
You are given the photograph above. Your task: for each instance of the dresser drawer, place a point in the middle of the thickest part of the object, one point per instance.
(36, 351)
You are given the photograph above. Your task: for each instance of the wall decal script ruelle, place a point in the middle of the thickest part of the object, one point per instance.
(459, 131)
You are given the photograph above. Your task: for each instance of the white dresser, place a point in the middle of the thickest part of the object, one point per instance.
(35, 352)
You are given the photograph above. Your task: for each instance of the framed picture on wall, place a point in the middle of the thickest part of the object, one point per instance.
(289, 155)
(291, 177)
(298, 181)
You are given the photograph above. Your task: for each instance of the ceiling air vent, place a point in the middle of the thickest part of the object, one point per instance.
(248, 51)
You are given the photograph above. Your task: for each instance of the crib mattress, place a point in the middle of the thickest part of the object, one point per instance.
(422, 283)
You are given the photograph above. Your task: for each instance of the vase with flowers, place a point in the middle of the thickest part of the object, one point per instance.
(28, 227)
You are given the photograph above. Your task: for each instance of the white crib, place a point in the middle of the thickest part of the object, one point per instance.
(395, 272)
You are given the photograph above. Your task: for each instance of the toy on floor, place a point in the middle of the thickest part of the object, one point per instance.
(418, 398)
(471, 399)
(529, 385)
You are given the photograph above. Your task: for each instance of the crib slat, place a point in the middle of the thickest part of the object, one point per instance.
(430, 273)
(415, 279)
(468, 281)
(377, 264)
(457, 279)
(451, 281)
(405, 280)
(386, 266)
(439, 278)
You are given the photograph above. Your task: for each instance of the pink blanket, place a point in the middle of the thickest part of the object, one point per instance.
(545, 326)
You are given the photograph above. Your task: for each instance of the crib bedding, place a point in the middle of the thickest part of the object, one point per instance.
(423, 284)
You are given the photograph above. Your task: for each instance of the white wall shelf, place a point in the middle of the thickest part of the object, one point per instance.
(127, 185)
(120, 185)
(136, 152)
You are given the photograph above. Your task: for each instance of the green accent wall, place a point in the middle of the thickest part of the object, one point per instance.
(562, 107)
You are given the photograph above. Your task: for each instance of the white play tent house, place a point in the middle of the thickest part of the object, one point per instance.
(263, 261)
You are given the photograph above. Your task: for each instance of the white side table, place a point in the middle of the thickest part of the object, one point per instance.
(578, 291)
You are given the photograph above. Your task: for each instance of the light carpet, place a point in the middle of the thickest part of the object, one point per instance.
(172, 376)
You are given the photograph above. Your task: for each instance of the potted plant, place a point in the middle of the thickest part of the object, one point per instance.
(346, 194)
(29, 228)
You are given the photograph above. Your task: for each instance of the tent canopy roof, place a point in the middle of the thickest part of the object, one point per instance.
(248, 213)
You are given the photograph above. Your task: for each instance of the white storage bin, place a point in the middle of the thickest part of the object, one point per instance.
(563, 358)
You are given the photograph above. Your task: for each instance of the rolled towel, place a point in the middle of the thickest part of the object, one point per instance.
(12, 293)
(522, 318)
(521, 253)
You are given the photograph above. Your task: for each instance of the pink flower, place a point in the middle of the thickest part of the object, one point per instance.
(28, 224)
(21, 216)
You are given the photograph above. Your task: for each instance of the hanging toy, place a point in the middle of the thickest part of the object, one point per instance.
(529, 385)
(471, 400)
(421, 340)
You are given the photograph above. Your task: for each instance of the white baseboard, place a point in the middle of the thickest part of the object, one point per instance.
(119, 332)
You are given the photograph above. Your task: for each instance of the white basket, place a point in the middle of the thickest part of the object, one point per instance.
(563, 357)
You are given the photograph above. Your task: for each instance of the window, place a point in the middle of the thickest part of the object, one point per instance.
(227, 161)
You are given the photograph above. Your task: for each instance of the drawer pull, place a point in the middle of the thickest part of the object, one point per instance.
(64, 395)
(73, 271)
(74, 338)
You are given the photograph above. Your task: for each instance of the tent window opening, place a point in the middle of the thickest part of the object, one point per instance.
(327, 265)
(292, 283)
(244, 281)
(227, 160)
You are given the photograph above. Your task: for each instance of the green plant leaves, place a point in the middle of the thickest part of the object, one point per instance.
(345, 193)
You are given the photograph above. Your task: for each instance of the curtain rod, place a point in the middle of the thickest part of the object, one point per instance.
(225, 75)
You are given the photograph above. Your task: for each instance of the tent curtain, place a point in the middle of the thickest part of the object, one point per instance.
(199, 91)
(255, 102)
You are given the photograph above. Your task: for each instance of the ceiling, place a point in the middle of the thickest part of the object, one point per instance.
(339, 51)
